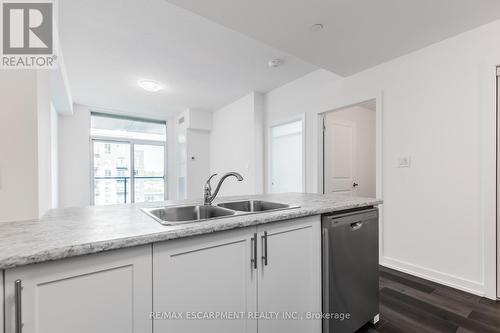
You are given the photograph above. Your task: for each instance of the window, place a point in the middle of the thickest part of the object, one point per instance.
(148, 173)
(111, 126)
(128, 160)
(286, 157)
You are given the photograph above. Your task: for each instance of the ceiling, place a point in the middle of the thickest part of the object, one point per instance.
(109, 45)
(357, 34)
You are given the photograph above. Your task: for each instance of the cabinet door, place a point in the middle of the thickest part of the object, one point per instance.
(290, 283)
(202, 275)
(101, 293)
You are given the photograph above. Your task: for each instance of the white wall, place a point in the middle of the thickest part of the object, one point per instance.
(54, 150)
(197, 164)
(191, 159)
(74, 158)
(44, 144)
(236, 144)
(438, 107)
(18, 146)
(25, 188)
(364, 153)
(308, 94)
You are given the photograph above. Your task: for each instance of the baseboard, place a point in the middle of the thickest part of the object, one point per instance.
(434, 276)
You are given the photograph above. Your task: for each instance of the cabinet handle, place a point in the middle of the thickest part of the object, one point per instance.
(264, 241)
(18, 309)
(253, 260)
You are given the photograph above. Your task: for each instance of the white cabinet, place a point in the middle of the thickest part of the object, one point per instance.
(214, 283)
(101, 293)
(199, 275)
(215, 273)
(290, 283)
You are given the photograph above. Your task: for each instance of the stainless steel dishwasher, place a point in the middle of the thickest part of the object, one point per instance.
(350, 270)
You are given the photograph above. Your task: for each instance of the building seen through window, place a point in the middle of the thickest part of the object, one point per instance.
(128, 160)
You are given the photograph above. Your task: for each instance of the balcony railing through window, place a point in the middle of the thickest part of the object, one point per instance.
(129, 159)
(147, 188)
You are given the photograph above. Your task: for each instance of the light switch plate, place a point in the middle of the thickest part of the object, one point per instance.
(404, 162)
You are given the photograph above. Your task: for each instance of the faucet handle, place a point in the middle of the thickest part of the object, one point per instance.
(210, 178)
(207, 191)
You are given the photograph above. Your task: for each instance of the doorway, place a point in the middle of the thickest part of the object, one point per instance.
(349, 150)
(286, 156)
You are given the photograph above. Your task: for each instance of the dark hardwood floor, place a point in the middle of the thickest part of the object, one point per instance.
(412, 305)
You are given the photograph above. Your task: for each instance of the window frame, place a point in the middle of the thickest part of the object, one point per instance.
(132, 143)
(300, 117)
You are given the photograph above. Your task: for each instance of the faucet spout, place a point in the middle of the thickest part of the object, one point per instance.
(208, 197)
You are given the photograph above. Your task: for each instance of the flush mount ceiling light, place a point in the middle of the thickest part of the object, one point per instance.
(316, 27)
(275, 63)
(150, 85)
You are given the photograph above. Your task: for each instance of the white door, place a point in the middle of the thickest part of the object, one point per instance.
(339, 157)
(290, 280)
(102, 293)
(202, 275)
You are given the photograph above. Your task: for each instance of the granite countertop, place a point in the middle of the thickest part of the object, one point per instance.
(69, 232)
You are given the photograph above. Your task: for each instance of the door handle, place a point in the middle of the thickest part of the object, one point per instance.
(355, 184)
(264, 242)
(253, 259)
(18, 309)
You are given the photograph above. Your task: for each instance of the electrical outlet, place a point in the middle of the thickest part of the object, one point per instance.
(404, 162)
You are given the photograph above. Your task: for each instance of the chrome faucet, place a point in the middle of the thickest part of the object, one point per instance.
(208, 197)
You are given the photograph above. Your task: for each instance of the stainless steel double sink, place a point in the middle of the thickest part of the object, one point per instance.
(173, 215)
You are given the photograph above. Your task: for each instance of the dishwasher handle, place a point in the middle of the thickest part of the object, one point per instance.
(356, 226)
(354, 219)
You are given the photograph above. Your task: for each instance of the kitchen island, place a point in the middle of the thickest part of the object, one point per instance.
(257, 264)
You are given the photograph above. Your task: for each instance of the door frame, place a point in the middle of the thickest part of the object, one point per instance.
(349, 102)
(299, 117)
(497, 182)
